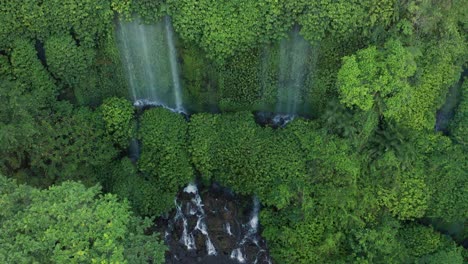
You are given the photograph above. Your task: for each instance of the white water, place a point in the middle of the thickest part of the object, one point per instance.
(210, 247)
(245, 238)
(141, 103)
(149, 58)
(254, 218)
(201, 226)
(227, 228)
(194, 208)
(187, 238)
(252, 226)
(174, 65)
(251, 234)
(238, 255)
(191, 188)
(282, 120)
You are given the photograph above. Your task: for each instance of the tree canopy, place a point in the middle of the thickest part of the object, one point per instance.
(71, 223)
(372, 169)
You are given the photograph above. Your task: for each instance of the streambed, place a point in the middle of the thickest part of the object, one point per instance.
(213, 225)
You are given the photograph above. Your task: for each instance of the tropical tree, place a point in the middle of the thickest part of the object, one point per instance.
(71, 224)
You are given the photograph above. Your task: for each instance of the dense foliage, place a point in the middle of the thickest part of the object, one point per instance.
(376, 170)
(164, 161)
(71, 223)
(118, 115)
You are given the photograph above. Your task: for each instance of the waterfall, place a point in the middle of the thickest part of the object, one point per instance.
(238, 255)
(174, 65)
(194, 208)
(251, 235)
(127, 60)
(214, 230)
(285, 69)
(149, 58)
(292, 75)
(253, 222)
(147, 67)
(187, 238)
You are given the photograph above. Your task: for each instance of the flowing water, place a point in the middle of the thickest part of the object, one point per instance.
(293, 70)
(212, 228)
(149, 58)
(174, 65)
(291, 63)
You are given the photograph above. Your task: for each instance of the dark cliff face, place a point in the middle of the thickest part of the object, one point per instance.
(227, 220)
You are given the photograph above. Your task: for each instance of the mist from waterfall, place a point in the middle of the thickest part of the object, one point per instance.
(149, 57)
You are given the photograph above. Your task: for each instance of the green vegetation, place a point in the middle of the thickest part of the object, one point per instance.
(118, 115)
(365, 178)
(164, 161)
(71, 223)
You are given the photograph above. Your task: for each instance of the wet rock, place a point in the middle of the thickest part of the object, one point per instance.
(208, 213)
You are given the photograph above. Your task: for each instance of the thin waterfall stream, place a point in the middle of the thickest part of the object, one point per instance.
(177, 90)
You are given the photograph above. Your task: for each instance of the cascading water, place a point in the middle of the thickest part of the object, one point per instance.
(149, 58)
(187, 238)
(210, 230)
(194, 234)
(194, 208)
(251, 235)
(293, 70)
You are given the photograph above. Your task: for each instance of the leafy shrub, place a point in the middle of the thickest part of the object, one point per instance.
(164, 158)
(118, 117)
